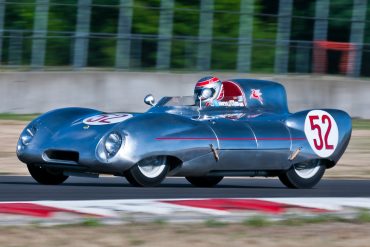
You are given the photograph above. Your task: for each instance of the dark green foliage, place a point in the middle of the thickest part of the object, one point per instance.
(103, 27)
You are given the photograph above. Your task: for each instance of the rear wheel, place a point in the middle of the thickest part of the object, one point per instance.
(205, 181)
(303, 175)
(46, 176)
(148, 172)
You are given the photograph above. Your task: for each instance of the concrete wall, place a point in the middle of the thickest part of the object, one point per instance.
(36, 92)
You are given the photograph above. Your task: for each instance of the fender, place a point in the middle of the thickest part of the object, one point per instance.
(327, 133)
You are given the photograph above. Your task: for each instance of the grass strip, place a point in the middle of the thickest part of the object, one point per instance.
(19, 117)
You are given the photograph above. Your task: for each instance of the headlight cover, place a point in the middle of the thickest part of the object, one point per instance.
(109, 146)
(26, 137)
(112, 143)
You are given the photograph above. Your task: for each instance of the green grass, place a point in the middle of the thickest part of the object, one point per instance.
(364, 217)
(361, 124)
(296, 220)
(257, 221)
(215, 223)
(325, 218)
(91, 223)
(19, 117)
(160, 222)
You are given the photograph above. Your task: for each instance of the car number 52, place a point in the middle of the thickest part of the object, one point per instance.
(322, 132)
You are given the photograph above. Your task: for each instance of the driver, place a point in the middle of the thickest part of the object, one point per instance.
(209, 91)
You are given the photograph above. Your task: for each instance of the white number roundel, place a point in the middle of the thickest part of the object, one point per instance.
(322, 132)
(109, 118)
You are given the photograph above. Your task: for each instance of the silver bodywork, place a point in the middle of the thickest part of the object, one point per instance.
(256, 140)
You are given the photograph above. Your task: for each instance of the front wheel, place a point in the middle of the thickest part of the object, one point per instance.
(204, 181)
(148, 172)
(303, 176)
(46, 176)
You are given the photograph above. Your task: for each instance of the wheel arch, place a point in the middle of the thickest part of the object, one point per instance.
(146, 173)
(174, 162)
(328, 163)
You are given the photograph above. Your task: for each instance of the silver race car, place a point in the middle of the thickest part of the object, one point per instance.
(249, 133)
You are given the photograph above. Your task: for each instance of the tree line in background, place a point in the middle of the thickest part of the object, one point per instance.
(102, 48)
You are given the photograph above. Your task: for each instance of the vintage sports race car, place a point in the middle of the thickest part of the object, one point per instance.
(251, 134)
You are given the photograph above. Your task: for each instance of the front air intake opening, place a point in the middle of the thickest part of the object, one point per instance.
(62, 155)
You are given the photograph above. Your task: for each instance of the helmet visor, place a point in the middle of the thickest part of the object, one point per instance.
(204, 93)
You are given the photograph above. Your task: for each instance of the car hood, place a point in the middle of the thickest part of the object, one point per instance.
(77, 132)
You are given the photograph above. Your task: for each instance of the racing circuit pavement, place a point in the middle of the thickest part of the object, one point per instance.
(24, 188)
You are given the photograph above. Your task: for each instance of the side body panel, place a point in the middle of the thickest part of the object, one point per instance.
(273, 143)
(237, 144)
(252, 142)
(188, 140)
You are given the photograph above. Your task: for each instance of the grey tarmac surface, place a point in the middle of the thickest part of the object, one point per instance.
(24, 188)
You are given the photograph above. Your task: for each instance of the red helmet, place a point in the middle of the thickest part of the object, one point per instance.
(208, 89)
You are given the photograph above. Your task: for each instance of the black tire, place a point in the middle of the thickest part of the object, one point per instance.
(293, 179)
(205, 181)
(136, 176)
(46, 176)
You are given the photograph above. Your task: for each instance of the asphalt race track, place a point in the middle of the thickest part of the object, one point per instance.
(24, 188)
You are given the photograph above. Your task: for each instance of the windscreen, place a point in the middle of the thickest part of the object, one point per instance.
(177, 101)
